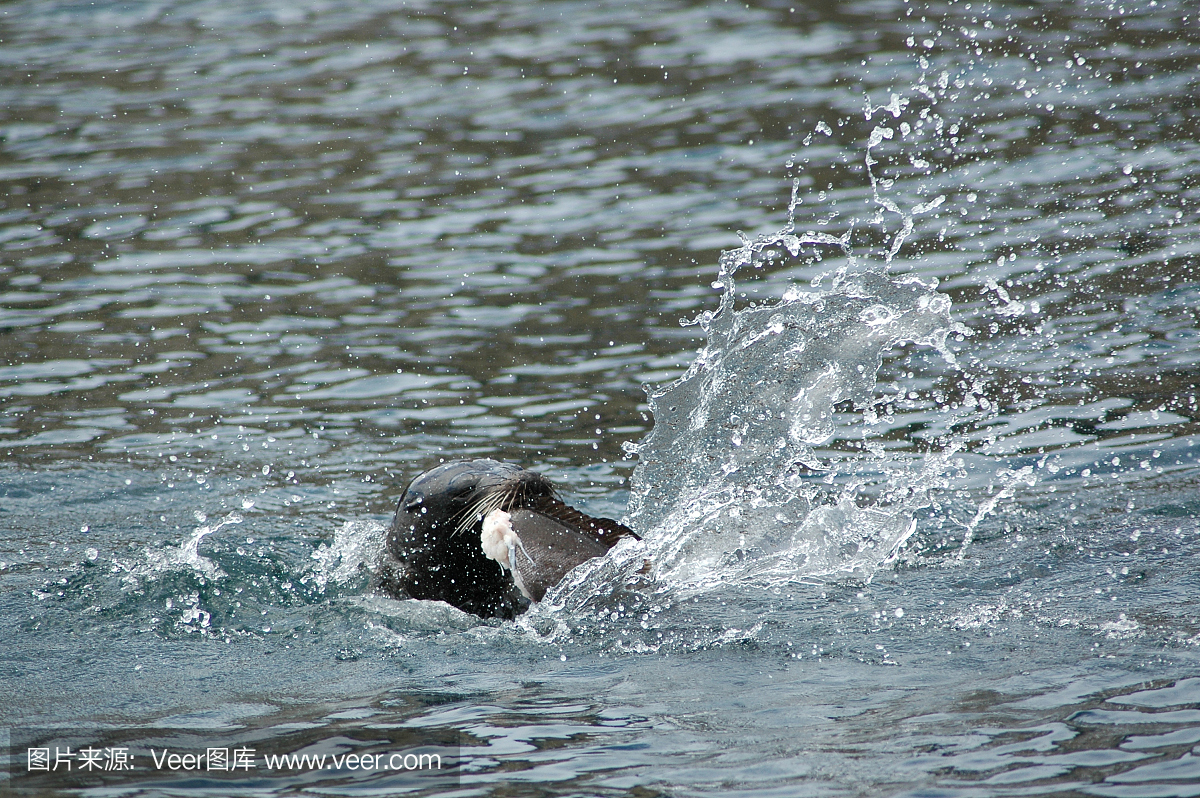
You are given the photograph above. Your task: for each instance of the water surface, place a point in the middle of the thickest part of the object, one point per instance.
(264, 262)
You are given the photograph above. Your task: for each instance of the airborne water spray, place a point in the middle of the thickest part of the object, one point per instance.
(778, 456)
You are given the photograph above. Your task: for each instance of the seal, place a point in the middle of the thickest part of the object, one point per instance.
(487, 537)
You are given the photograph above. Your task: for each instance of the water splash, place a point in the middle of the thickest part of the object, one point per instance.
(734, 482)
(357, 549)
(1010, 480)
(779, 456)
(184, 557)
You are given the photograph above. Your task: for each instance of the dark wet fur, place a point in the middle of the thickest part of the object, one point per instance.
(434, 550)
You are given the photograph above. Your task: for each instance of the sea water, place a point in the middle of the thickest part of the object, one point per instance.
(916, 475)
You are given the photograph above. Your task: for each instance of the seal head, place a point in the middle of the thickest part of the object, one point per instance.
(487, 537)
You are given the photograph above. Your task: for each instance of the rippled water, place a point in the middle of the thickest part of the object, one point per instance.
(263, 262)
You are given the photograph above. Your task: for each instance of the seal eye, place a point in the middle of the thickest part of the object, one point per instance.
(463, 485)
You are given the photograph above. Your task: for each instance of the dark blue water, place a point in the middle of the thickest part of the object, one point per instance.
(921, 513)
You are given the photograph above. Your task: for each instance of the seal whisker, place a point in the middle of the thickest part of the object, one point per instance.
(467, 518)
(478, 509)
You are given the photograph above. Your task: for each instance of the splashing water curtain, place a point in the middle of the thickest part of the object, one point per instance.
(769, 460)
